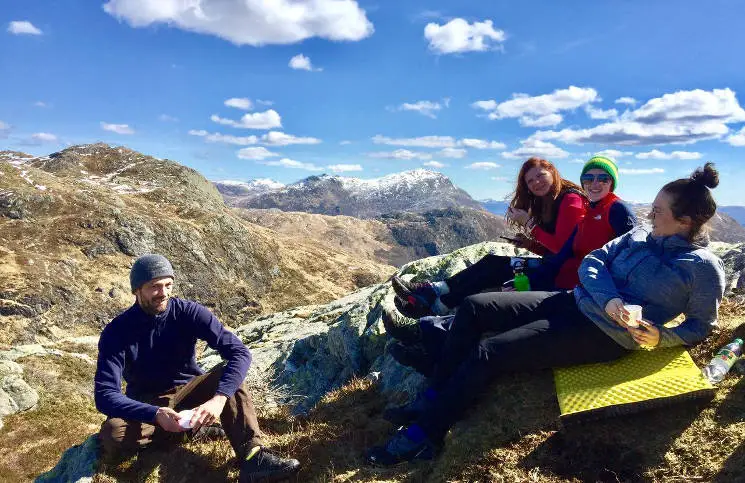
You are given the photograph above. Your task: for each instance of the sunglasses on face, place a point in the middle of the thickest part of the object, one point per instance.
(601, 178)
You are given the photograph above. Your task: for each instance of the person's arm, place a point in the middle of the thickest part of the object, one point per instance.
(706, 292)
(108, 384)
(621, 218)
(228, 345)
(593, 271)
(571, 212)
(542, 278)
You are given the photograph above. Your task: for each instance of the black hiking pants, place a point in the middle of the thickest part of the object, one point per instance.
(488, 273)
(531, 331)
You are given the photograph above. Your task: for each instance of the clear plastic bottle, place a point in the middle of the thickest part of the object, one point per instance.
(723, 361)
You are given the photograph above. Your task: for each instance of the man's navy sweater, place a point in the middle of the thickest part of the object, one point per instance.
(157, 353)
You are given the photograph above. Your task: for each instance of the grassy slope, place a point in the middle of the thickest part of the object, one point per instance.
(512, 435)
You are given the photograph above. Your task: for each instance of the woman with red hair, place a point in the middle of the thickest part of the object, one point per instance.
(544, 204)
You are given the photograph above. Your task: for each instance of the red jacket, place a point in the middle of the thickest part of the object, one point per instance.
(571, 211)
(593, 232)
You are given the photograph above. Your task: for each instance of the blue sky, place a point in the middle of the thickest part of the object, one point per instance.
(468, 88)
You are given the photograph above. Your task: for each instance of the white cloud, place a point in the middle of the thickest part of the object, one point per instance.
(256, 152)
(291, 163)
(737, 139)
(596, 113)
(541, 121)
(275, 138)
(434, 164)
(240, 103)
(250, 22)
(264, 102)
(41, 104)
(342, 168)
(459, 36)
(224, 138)
(425, 108)
(345, 143)
(23, 27)
(535, 147)
(301, 62)
(167, 118)
(44, 137)
(542, 110)
(481, 144)
(483, 165)
(4, 126)
(657, 154)
(633, 171)
(117, 128)
(420, 142)
(456, 153)
(400, 154)
(499, 178)
(627, 100)
(680, 118)
(255, 120)
(613, 153)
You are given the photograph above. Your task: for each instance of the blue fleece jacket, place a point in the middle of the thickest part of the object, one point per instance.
(667, 276)
(157, 353)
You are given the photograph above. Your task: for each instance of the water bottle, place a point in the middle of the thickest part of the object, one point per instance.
(723, 361)
(521, 282)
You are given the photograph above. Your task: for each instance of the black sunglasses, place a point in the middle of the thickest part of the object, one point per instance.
(589, 178)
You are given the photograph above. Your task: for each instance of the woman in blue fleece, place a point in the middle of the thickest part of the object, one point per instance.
(667, 272)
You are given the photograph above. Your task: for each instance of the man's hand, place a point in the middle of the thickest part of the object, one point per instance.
(614, 308)
(646, 334)
(167, 419)
(209, 412)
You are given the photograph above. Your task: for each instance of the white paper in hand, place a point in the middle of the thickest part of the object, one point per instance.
(185, 418)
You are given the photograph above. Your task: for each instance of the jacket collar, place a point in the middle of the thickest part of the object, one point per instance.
(152, 319)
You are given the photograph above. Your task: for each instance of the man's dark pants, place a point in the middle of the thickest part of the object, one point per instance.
(238, 418)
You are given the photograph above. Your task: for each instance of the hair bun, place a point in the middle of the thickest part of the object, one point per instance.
(707, 176)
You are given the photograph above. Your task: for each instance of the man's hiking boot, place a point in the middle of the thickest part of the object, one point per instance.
(422, 295)
(399, 449)
(263, 466)
(414, 356)
(412, 311)
(408, 334)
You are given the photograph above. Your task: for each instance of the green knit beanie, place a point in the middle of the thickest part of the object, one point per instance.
(606, 164)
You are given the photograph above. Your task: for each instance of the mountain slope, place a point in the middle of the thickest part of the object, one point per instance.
(415, 191)
(72, 223)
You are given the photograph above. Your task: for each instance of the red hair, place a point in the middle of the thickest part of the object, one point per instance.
(539, 208)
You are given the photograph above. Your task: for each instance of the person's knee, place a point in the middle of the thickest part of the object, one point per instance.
(112, 434)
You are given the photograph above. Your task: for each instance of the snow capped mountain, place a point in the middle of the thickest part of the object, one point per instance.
(416, 191)
(253, 187)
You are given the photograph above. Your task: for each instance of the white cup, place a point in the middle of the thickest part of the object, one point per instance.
(635, 315)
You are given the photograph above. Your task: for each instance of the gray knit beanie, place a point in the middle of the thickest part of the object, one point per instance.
(148, 267)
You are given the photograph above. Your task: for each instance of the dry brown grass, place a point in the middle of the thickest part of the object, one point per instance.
(511, 436)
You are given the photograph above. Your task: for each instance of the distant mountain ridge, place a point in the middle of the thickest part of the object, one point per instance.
(417, 191)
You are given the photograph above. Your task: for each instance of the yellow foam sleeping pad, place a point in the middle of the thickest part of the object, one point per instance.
(638, 381)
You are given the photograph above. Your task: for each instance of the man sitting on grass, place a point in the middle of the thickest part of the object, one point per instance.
(152, 345)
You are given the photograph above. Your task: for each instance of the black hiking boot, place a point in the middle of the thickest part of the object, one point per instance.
(414, 356)
(263, 466)
(399, 449)
(408, 334)
(207, 433)
(421, 295)
(412, 311)
(406, 414)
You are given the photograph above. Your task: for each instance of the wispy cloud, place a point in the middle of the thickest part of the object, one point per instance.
(239, 103)
(419, 142)
(23, 27)
(256, 152)
(483, 165)
(400, 154)
(291, 163)
(425, 108)
(434, 164)
(657, 154)
(117, 128)
(343, 168)
(224, 138)
(256, 120)
(634, 171)
(167, 118)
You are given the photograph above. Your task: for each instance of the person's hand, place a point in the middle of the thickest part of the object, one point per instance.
(517, 215)
(646, 334)
(614, 309)
(523, 241)
(168, 419)
(509, 286)
(208, 413)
